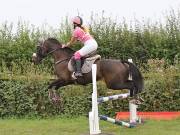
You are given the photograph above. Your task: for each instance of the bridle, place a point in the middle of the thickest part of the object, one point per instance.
(45, 55)
(42, 56)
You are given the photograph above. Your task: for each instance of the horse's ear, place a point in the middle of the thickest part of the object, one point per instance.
(40, 41)
(60, 44)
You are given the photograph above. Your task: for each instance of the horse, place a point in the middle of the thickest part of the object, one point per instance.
(114, 73)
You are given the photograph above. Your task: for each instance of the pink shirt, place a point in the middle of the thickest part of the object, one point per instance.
(81, 35)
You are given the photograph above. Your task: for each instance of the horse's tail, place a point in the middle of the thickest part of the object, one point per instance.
(136, 77)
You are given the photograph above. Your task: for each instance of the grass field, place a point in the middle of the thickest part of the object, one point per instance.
(79, 126)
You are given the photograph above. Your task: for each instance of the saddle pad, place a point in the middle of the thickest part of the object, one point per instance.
(86, 67)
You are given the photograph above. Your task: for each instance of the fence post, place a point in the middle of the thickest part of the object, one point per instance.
(132, 107)
(93, 115)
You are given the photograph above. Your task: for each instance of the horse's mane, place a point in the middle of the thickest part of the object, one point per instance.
(56, 42)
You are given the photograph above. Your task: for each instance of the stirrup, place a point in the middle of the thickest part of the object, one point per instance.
(73, 75)
(78, 74)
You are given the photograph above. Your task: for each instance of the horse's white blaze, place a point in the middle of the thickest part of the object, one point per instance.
(34, 55)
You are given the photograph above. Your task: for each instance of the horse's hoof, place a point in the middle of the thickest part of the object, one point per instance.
(135, 101)
(138, 102)
(55, 101)
(141, 99)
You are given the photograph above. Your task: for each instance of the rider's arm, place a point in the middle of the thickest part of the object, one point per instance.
(72, 41)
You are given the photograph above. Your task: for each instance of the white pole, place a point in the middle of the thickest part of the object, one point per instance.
(130, 75)
(133, 112)
(132, 107)
(93, 115)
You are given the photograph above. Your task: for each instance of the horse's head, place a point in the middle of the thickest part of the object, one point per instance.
(45, 47)
(48, 46)
(41, 52)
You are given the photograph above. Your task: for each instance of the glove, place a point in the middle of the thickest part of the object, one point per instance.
(64, 45)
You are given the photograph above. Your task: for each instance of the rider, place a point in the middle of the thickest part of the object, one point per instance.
(80, 33)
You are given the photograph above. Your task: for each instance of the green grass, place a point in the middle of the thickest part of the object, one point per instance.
(79, 126)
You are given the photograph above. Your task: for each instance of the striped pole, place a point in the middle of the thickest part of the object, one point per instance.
(117, 122)
(114, 97)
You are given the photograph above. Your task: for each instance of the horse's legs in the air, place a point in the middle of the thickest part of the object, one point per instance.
(54, 83)
(57, 84)
(126, 85)
(63, 83)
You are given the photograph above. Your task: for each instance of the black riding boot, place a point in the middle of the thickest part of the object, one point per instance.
(78, 72)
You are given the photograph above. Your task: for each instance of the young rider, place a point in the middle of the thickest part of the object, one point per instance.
(81, 34)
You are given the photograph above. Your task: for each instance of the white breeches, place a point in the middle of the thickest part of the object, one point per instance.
(89, 47)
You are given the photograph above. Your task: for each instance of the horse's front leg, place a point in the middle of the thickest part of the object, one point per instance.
(54, 83)
(57, 84)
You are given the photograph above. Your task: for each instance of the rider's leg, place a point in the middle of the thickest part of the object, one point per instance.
(89, 47)
(77, 58)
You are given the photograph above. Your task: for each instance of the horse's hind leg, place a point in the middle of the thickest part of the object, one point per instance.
(126, 85)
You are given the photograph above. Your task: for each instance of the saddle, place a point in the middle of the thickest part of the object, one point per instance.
(87, 62)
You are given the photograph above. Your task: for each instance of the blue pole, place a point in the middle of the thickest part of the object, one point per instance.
(113, 97)
(117, 122)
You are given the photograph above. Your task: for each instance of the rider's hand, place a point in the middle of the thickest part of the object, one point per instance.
(64, 45)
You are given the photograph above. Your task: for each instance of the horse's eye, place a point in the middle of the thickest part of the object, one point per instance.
(38, 47)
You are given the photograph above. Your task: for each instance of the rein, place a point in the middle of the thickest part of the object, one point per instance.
(43, 56)
(59, 61)
(52, 51)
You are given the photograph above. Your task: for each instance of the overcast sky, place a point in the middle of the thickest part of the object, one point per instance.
(38, 12)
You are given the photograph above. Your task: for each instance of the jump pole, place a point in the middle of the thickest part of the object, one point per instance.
(117, 122)
(93, 115)
(113, 97)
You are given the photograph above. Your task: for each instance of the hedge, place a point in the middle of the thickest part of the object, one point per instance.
(141, 40)
(20, 98)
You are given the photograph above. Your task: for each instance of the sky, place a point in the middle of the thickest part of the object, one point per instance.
(38, 12)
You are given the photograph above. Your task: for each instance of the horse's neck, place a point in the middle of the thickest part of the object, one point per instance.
(60, 55)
